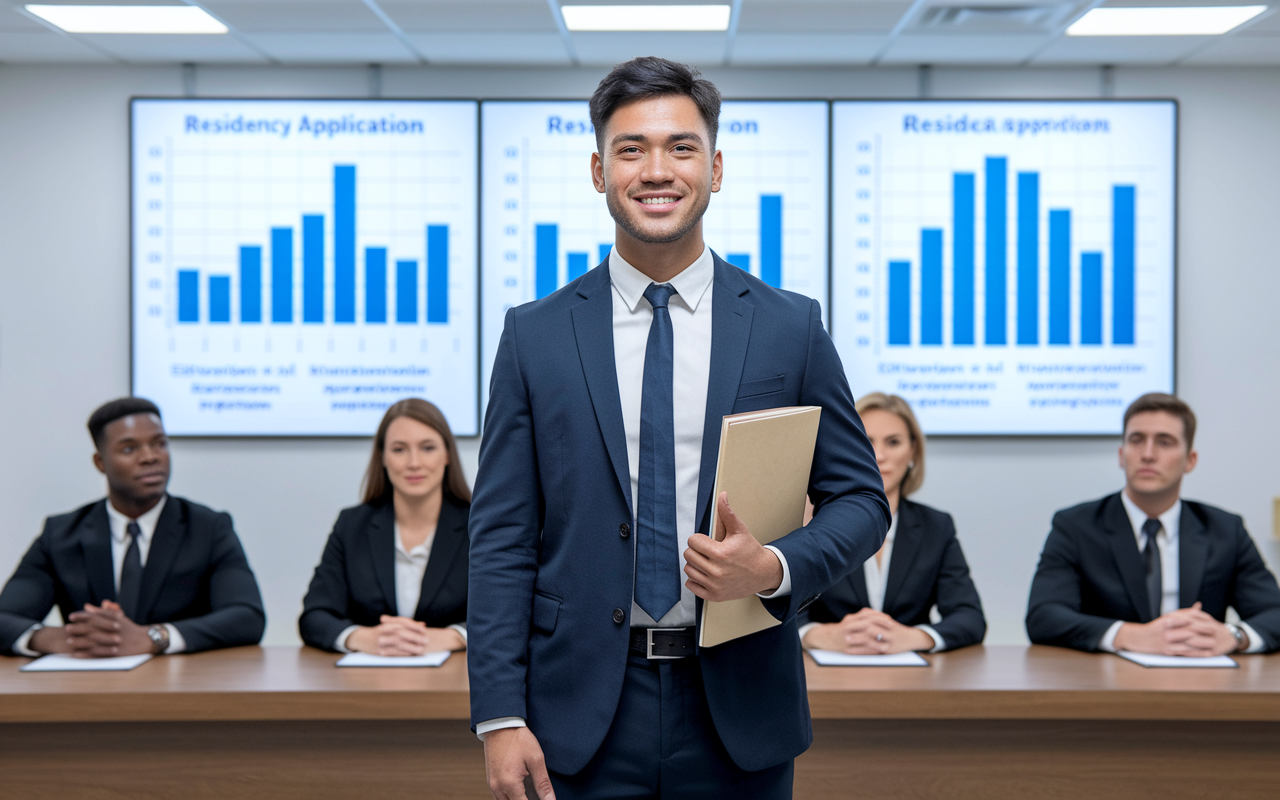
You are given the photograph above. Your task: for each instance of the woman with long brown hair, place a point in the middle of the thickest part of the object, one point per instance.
(393, 577)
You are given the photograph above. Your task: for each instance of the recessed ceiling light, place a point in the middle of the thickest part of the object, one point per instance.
(129, 19)
(1209, 21)
(646, 18)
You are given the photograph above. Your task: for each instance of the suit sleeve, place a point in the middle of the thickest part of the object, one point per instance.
(963, 622)
(1054, 613)
(851, 514)
(1255, 596)
(324, 609)
(29, 595)
(236, 617)
(506, 521)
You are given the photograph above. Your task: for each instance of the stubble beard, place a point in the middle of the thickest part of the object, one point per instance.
(624, 220)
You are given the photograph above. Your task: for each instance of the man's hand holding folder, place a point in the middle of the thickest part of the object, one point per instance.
(734, 564)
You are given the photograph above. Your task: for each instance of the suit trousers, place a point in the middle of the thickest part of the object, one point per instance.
(663, 745)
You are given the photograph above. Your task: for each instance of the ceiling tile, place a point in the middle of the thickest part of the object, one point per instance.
(821, 16)
(334, 48)
(491, 48)
(194, 48)
(812, 48)
(614, 48)
(1239, 50)
(296, 16)
(961, 49)
(481, 16)
(45, 46)
(1120, 49)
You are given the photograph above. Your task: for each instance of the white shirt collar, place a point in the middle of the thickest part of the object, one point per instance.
(690, 285)
(147, 522)
(419, 551)
(1169, 520)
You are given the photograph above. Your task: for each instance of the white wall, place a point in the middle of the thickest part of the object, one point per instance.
(64, 327)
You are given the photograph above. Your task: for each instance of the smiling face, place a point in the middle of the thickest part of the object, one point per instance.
(891, 439)
(1155, 454)
(657, 170)
(415, 457)
(134, 455)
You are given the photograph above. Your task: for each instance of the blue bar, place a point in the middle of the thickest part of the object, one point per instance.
(604, 252)
(312, 268)
(771, 239)
(188, 295)
(997, 210)
(438, 273)
(250, 283)
(375, 284)
(1091, 298)
(1059, 276)
(407, 291)
(740, 260)
(931, 286)
(1123, 254)
(282, 274)
(962, 258)
(344, 245)
(1028, 258)
(546, 259)
(900, 302)
(219, 298)
(577, 265)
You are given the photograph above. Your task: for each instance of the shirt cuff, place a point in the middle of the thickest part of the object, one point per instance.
(804, 630)
(1256, 643)
(340, 644)
(461, 629)
(1107, 643)
(784, 588)
(939, 644)
(497, 724)
(176, 643)
(20, 646)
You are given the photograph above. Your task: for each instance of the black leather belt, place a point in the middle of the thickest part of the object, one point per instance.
(663, 643)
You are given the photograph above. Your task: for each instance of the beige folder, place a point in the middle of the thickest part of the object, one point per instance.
(764, 463)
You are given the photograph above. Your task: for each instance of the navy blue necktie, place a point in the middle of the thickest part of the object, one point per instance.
(657, 553)
(1155, 583)
(131, 574)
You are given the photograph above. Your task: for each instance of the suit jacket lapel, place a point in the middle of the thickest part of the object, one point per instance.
(166, 542)
(593, 330)
(99, 564)
(382, 550)
(451, 533)
(730, 333)
(858, 582)
(906, 544)
(1124, 548)
(1193, 551)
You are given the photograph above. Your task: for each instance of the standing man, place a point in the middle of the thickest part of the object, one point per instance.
(597, 468)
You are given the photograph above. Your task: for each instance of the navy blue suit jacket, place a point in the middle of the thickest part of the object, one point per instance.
(551, 576)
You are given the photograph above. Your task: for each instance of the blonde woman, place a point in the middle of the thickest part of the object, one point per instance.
(884, 606)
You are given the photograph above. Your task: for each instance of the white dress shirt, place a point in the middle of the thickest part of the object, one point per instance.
(119, 524)
(411, 566)
(1167, 541)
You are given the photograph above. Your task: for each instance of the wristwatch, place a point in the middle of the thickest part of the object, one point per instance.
(159, 636)
(1237, 632)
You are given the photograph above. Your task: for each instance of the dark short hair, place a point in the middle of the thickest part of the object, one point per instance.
(650, 76)
(108, 413)
(377, 487)
(1159, 401)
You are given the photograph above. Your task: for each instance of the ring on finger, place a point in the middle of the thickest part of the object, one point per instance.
(879, 637)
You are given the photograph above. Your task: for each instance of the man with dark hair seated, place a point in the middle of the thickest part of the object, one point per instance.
(1148, 572)
(138, 572)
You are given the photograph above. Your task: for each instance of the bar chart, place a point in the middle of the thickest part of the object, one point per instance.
(544, 225)
(1007, 267)
(301, 265)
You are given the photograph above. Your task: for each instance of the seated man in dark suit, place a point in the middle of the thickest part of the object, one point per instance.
(138, 572)
(1146, 571)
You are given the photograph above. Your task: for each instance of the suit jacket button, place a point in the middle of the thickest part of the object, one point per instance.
(624, 530)
(618, 616)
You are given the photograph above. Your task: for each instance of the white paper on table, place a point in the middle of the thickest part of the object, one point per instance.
(370, 660)
(60, 662)
(830, 658)
(1184, 662)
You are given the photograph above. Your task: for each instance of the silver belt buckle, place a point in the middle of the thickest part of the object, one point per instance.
(648, 652)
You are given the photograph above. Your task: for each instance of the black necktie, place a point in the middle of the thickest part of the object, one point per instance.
(131, 574)
(1155, 588)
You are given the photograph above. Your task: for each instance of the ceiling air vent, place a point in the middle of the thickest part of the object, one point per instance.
(1026, 18)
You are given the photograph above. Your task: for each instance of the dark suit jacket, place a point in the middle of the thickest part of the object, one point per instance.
(552, 571)
(355, 582)
(927, 569)
(1092, 574)
(196, 576)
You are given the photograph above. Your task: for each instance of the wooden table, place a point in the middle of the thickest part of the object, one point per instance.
(282, 722)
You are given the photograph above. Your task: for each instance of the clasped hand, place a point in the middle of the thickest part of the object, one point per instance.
(401, 636)
(1185, 632)
(733, 565)
(104, 632)
(868, 632)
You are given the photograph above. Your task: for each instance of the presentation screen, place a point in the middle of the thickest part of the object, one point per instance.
(544, 224)
(1007, 267)
(300, 265)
